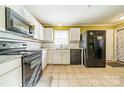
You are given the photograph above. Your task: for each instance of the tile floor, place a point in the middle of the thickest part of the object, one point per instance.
(80, 76)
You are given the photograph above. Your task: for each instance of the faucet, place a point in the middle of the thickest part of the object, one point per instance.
(61, 46)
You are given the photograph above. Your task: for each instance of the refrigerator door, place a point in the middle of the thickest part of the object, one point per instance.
(96, 49)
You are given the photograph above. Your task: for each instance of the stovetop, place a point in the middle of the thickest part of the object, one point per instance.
(18, 52)
(15, 48)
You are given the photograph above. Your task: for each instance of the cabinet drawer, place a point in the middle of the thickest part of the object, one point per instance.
(61, 50)
(7, 66)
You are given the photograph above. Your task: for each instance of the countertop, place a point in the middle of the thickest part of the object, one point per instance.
(64, 48)
(7, 58)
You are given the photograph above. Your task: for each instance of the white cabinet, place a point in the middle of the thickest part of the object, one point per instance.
(21, 11)
(36, 30)
(48, 34)
(74, 34)
(44, 58)
(61, 56)
(109, 45)
(12, 79)
(57, 57)
(11, 72)
(66, 57)
(2, 18)
(41, 32)
(49, 56)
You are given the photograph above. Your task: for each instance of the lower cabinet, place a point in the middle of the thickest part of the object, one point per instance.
(57, 57)
(61, 56)
(11, 72)
(49, 56)
(12, 78)
(66, 57)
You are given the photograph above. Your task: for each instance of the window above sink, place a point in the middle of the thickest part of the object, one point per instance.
(61, 38)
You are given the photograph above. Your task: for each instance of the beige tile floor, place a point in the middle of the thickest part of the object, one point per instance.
(80, 76)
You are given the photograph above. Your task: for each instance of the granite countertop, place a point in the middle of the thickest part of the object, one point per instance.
(7, 58)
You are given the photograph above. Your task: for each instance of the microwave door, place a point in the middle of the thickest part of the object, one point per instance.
(20, 26)
(16, 23)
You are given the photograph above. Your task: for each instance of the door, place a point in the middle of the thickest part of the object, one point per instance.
(49, 56)
(120, 45)
(48, 34)
(57, 57)
(66, 57)
(96, 48)
(75, 34)
(12, 79)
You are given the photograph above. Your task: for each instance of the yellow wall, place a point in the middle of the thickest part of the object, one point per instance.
(83, 28)
(63, 27)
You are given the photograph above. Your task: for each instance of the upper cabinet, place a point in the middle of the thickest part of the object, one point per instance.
(21, 11)
(48, 34)
(2, 17)
(74, 34)
(41, 32)
(36, 30)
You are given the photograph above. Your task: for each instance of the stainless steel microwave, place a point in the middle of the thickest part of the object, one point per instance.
(16, 23)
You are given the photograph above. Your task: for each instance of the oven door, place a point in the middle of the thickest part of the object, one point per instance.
(16, 23)
(30, 70)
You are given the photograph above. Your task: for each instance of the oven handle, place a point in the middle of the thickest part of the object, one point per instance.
(27, 59)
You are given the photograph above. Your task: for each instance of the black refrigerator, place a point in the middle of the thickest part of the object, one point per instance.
(93, 43)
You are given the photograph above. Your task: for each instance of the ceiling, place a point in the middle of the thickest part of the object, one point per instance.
(76, 14)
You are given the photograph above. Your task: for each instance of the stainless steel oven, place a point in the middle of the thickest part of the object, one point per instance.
(16, 23)
(31, 61)
(31, 69)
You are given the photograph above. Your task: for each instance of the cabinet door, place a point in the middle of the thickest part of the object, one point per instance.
(37, 32)
(12, 79)
(48, 34)
(57, 57)
(19, 10)
(41, 32)
(66, 57)
(2, 18)
(49, 56)
(75, 34)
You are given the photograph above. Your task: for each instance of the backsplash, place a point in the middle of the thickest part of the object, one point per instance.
(31, 44)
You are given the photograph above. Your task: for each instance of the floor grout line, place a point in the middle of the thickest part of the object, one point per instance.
(97, 74)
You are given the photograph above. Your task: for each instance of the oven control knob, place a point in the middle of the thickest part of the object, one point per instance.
(24, 44)
(3, 45)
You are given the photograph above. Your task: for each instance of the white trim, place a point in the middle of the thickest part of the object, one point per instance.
(113, 24)
(98, 25)
(119, 28)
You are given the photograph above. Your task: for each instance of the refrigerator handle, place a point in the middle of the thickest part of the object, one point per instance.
(85, 56)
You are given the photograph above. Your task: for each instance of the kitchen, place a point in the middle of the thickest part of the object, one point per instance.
(38, 51)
